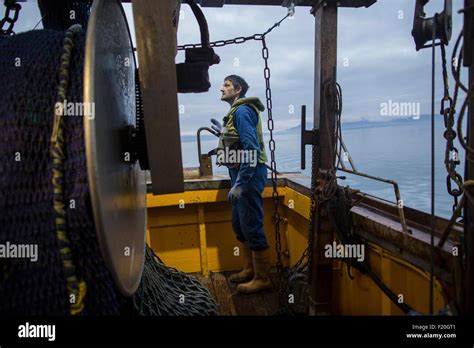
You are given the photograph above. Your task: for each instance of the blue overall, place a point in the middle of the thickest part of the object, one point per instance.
(247, 213)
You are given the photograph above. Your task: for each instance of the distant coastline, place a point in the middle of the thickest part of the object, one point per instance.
(370, 124)
(398, 121)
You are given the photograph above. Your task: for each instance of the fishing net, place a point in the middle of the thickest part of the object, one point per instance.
(167, 291)
(29, 71)
(29, 74)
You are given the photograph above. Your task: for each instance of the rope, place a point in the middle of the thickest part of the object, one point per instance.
(277, 24)
(76, 288)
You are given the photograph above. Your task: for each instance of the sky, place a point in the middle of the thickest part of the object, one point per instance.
(377, 60)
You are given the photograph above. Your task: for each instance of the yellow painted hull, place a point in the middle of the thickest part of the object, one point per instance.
(192, 232)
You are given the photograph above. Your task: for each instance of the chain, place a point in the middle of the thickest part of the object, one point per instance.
(448, 105)
(8, 21)
(221, 43)
(451, 157)
(237, 40)
(323, 196)
(271, 143)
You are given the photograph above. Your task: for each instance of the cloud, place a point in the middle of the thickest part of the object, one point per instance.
(377, 60)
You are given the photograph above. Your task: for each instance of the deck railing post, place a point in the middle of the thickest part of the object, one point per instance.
(325, 50)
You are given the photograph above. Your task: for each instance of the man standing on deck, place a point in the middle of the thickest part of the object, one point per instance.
(248, 181)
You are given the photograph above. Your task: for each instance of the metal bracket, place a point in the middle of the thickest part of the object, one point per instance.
(308, 137)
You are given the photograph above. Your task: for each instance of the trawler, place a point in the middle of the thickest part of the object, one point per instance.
(121, 227)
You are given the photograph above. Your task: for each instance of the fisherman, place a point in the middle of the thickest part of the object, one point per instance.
(248, 180)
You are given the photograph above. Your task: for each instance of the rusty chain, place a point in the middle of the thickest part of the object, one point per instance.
(8, 22)
(451, 153)
(448, 105)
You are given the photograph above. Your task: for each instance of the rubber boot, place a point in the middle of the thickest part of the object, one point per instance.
(247, 272)
(261, 278)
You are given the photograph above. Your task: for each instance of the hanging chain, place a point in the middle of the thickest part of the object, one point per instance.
(317, 195)
(8, 21)
(271, 143)
(466, 186)
(451, 154)
(237, 40)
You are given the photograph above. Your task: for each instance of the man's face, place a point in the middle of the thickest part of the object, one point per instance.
(229, 92)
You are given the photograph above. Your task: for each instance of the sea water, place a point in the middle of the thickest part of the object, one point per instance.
(396, 150)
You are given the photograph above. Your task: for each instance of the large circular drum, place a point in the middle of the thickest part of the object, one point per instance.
(117, 185)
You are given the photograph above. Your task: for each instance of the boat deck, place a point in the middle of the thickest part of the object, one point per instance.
(192, 232)
(232, 302)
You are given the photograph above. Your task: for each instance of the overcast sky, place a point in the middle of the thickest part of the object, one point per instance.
(377, 60)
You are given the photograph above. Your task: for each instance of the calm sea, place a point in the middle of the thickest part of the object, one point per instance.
(397, 150)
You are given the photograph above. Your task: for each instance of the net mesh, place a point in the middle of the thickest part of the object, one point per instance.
(29, 72)
(29, 64)
(167, 291)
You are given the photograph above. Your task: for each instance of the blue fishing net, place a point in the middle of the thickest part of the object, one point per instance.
(29, 78)
(29, 75)
(29, 64)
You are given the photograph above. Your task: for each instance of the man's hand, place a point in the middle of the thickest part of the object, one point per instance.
(234, 194)
(216, 125)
